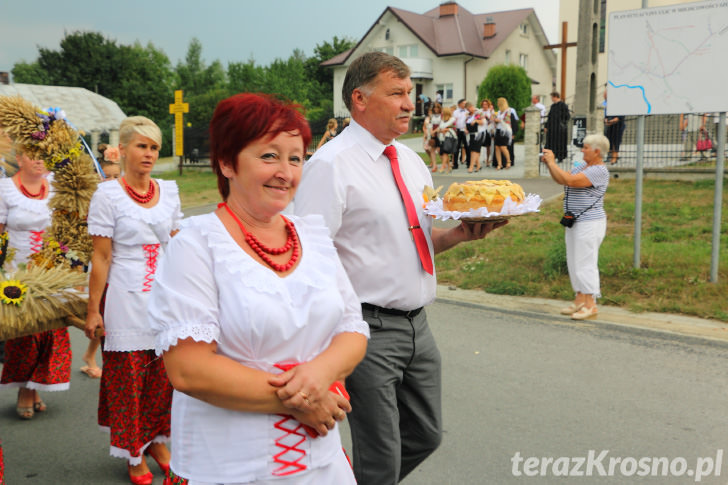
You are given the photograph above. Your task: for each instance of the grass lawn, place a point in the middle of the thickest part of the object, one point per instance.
(528, 256)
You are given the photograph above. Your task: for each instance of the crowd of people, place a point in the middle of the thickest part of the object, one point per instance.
(242, 337)
(460, 133)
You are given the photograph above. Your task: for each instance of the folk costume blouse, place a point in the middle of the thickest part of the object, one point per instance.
(139, 236)
(210, 289)
(25, 220)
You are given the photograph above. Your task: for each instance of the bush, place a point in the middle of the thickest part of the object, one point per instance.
(507, 81)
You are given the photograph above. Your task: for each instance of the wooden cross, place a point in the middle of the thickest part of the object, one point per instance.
(177, 109)
(563, 45)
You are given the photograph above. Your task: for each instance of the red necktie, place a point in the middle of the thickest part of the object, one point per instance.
(417, 233)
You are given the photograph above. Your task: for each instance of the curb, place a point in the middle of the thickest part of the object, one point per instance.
(666, 326)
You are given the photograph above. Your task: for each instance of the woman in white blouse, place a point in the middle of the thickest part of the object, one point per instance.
(446, 134)
(503, 133)
(131, 220)
(255, 316)
(42, 361)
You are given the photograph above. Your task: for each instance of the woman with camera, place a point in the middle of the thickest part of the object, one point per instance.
(585, 221)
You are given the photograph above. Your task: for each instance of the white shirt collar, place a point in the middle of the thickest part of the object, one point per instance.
(369, 143)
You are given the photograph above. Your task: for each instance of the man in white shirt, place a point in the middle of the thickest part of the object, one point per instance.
(461, 114)
(395, 391)
(536, 103)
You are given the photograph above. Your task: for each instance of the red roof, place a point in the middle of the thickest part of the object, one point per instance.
(459, 34)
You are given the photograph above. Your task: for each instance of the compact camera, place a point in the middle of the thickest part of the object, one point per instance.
(568, 220)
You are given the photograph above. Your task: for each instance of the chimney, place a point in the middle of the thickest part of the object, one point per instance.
(488, 28)
(4, 77)
(448, 8)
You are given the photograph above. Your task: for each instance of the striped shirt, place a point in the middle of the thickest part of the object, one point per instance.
(578, 200)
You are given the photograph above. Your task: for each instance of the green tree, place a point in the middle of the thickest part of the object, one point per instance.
(30, 73)
(288, 79)
(138, 78)
(324, 76)
(245, 77)
(204, 86)
(507, 81)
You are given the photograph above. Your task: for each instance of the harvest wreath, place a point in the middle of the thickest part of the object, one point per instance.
(45, 294)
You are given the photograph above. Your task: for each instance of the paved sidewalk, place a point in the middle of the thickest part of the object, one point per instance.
(675, 326)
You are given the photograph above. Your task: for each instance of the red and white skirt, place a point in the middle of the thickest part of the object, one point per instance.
(135, 401)
(40, 361)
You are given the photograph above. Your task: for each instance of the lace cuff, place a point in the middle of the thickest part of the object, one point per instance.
(353, 326)
(100, 231)
(198, 332)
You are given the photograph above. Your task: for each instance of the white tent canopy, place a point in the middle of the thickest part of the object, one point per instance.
(86, 111)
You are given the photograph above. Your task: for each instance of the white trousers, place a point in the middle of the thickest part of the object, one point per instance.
(582, 255)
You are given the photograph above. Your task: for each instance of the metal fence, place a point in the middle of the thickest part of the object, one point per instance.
(671, 141)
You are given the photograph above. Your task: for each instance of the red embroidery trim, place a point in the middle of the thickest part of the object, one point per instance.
(286, 465)
(152, 253)
(36, 241)
(336, 387)
(278, 458)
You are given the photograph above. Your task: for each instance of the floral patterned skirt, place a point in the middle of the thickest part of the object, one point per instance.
(40, 361)
(135, 400)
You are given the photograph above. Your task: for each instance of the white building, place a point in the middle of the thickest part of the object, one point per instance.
(449, 49)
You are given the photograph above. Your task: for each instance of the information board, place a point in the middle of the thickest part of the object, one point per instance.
(669, 59)
(578, 132)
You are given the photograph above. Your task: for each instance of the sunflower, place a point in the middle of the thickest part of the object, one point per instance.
(12, 292)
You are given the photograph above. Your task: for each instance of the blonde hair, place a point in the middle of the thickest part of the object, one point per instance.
(139, 125)
(446, 113)
(502, 104)
(331, 124)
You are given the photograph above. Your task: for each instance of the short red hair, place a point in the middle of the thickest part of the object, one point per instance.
(244, 118)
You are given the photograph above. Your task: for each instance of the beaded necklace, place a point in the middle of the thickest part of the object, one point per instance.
(141, 198)
(28, 193)
(263, 251)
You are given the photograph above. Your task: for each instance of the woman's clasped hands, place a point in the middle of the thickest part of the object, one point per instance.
(313, 396)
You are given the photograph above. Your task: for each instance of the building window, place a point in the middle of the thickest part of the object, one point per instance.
(388, 50)
(407, 51)
(508, 57)
(446, 90)
(523, 61)
(523, 28)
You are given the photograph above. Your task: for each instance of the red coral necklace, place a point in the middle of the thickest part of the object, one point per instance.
(28, 193)
(264, 251)
(141, 198)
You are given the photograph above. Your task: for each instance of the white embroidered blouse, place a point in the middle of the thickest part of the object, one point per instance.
(209, 289)
(139, 236)
(25, 220)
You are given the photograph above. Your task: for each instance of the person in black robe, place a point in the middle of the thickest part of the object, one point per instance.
(557, 127)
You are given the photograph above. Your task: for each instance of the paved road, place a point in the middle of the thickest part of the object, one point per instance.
(516, 380)
(517, 377)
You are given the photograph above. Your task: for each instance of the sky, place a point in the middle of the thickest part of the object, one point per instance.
(229, 30)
